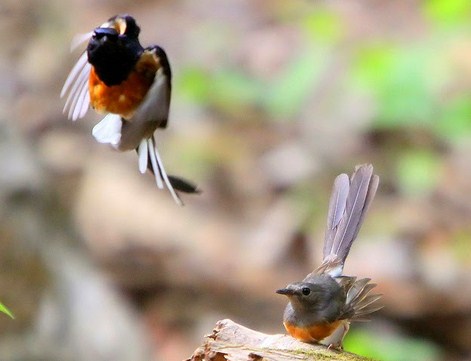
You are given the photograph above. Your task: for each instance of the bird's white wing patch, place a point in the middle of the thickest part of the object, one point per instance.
(108, 131)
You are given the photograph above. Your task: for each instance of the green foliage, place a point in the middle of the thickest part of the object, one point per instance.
(323, 26)
(390, 348)
(194, 85)
(454, 122)
(461, 247)
(231, 90)
(406, 85)
(448, 12)
(287, 93)
(418, 171)
(406, 80)
(228, 90)
(401, 82)
(5, 310)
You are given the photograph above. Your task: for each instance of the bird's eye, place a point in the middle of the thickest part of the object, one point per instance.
(306, 291)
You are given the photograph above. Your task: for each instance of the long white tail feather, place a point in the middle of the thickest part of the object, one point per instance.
(163, 174)
(143, 155)
(108, 131)
(155, 166)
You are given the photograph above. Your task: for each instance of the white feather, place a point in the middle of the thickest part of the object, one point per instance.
(79, 39)
(155, 166)
(143, 153)
(76, 88)
(164, 174)
(337, 271)
(108, 131)
(73, 97)
(74, 72)
(81, 106)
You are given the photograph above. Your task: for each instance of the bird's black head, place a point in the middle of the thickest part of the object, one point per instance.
(114, 49)
(124, 24)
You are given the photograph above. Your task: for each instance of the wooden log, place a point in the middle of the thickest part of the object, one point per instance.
(230, 341)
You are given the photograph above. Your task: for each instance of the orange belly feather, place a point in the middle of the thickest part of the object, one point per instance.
(313, 333)
(124, 98)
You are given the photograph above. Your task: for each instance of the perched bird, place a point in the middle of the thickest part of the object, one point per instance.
(324, 303)
(132, 85)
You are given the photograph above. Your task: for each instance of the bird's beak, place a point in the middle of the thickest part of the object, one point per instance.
(286, 291)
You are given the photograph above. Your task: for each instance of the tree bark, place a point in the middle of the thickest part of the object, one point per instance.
(233, 342)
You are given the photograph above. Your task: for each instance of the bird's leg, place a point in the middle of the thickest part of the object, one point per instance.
(335, 340)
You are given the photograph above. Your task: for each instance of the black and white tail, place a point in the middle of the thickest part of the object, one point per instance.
(110, 131)
(149, 156)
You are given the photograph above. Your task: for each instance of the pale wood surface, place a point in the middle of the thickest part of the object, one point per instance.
(230, 341)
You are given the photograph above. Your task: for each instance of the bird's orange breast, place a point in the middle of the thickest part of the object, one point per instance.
(124, 98)
(312, 333)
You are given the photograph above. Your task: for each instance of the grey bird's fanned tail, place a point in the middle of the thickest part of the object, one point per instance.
(360, 303)
(348, 205)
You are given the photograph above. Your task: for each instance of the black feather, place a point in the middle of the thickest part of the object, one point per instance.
(183, 185)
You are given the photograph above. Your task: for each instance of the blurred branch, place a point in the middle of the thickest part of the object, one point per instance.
(233, 342)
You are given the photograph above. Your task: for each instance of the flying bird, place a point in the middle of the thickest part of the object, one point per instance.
(132, 85)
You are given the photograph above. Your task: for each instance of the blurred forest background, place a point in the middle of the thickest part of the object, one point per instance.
(271, 100)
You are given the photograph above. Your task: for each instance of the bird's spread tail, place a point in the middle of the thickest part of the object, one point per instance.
(360, 302)
(349, 203)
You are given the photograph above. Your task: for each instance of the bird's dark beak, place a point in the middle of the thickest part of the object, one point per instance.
(286, 291)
